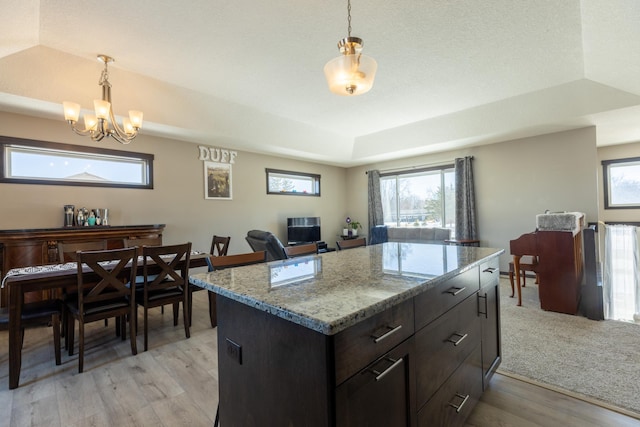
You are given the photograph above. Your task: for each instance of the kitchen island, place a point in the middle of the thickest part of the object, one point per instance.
(392, 334)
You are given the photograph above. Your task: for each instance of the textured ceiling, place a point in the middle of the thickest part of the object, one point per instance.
(248, 74)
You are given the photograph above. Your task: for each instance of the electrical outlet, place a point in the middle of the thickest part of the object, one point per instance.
(234, 351)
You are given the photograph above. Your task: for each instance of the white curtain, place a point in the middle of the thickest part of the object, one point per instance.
(621, 278)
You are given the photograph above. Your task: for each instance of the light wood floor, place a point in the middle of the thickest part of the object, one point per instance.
(175, 384)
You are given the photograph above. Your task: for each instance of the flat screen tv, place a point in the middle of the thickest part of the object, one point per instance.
(303, 230)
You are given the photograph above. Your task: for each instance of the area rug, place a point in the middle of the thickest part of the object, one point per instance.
(597, 360)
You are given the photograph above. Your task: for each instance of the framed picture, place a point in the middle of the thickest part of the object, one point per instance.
(217, 181)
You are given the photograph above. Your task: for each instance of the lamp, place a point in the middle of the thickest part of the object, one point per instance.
(351, 73)
(97, 126)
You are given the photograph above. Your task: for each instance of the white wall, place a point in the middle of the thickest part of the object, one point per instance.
(515, 180)
(177, 199)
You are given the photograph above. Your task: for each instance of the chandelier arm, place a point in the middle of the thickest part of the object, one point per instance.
(117, 132)
(78, 131)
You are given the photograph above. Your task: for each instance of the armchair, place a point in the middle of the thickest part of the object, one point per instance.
(266, 241)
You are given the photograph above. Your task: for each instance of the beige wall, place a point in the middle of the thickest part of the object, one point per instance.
(177, 199)
(610, 153)
(515, 180)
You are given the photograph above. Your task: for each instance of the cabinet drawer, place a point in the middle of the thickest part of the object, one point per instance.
(443, 345)
(439, 299)
(490, 273)
(359, 345)
(380, 394)
(455, 400)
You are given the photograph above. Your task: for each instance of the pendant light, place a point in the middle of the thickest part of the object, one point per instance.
(352, 73)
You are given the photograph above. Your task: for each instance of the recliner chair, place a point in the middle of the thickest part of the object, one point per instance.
(266, 241)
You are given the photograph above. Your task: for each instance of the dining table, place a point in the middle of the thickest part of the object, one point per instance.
(20, 281)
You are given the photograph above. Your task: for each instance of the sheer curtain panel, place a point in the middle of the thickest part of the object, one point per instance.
(621, 279)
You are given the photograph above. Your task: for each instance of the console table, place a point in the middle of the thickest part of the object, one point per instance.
(394, 334)
(28, 247)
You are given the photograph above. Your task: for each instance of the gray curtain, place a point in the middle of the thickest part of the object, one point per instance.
(465, 200)
(376, 217)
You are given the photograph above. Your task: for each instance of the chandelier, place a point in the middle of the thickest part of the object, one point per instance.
(351, 73)
(103, 123)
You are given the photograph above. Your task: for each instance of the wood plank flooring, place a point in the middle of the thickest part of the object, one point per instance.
(175, 383)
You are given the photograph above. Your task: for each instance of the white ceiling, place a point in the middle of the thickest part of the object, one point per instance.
(247, 74)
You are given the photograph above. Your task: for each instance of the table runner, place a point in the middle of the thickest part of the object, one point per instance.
(35, 269)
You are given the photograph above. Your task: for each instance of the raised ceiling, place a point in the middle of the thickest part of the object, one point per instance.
(248, 74)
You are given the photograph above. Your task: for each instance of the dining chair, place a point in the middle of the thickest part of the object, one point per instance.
(67, 253)
(166, 281)
(103, 292)
(351, 243)
(40, 313)
(237, 260)
(146, 241)
(219, 247)
(228, 261)
(301, 250)
(67, 250)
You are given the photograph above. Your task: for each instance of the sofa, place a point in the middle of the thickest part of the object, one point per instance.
(418, 234)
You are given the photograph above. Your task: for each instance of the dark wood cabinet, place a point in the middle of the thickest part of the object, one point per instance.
(454, 401)
(489, 312)
(419, 363)
(23, 248)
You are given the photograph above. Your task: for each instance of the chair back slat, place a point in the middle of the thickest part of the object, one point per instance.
(238, 260)
(113, 271)
(351, 243)
(301, 250)
(161, 263)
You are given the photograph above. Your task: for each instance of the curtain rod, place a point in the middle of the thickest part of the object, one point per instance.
(426, 165)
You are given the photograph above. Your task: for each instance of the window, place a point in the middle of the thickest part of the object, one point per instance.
(292, 183)
(621, 183)
(423, 198)
(39, 162)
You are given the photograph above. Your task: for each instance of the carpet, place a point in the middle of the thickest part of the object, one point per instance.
(598, 360)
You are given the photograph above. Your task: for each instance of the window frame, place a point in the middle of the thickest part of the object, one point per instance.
(607, 182)
(314, 177)
(93, 152)
(415, 171)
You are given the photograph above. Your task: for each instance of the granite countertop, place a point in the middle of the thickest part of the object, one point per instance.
(332, 291)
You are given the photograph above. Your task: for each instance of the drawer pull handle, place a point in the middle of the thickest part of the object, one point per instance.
(459, 340)
(489, 270)
(455, 291)
(392, 330)
(464, 400)
(380, 375)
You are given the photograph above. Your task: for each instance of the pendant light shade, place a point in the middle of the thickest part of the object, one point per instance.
(352, 73)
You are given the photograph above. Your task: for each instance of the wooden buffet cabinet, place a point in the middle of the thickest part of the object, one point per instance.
(424, 361)
(23, 248)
